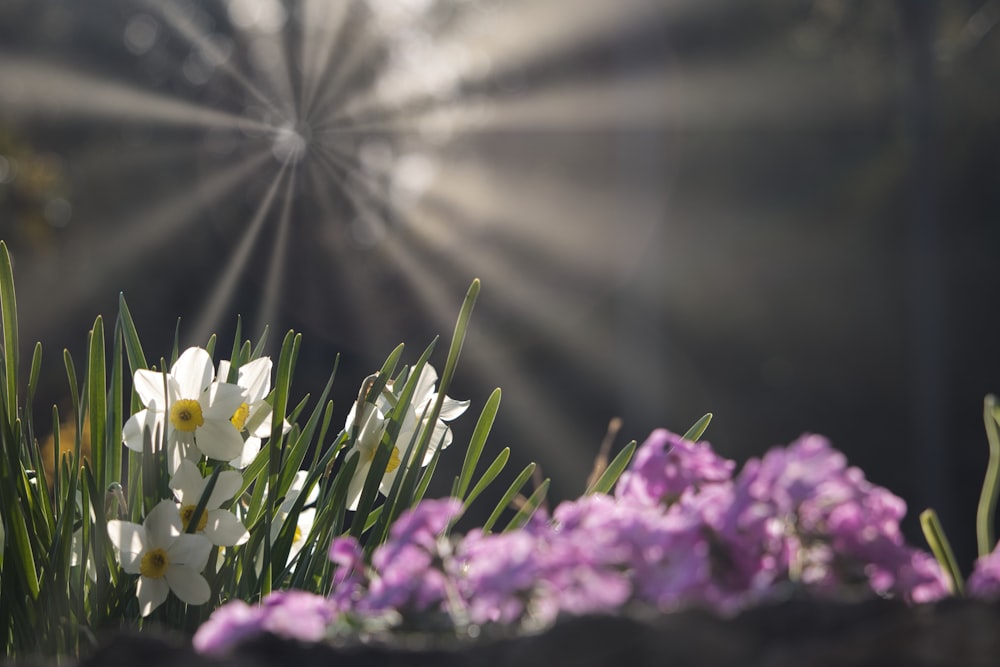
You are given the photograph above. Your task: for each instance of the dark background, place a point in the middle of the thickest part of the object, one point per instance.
(784, 213)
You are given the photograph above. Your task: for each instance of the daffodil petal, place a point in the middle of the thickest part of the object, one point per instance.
(193, 372)
(251, 447)
(190, 549)
(219, 440)
(425, 384)
(260, 420)
(225, 529)
(188, 585)
(357, 484)
(227, 486)
(133, 429)
(129, 538)
(162, 525)
(304, 524)
(151, 594)
(187, 483)
(450, 408)
(220, 400)
(149, 386)
(255, 378)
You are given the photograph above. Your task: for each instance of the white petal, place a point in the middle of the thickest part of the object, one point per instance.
(451, 408)
(425, 384)
(220, 400)
(193, 372)
(129, 538)
(227, 486)
(225, 529)
(162, 524)
(259, 421)
(387, 479)
(223, 370)
(251, 448)
(304, 524)
(357, 484)
(191, 550)
(188, 585)
(136, 424)
(151, 594)
(187, 483)
(149, 385)
(179, 451)
(255, 377)
(218, 439)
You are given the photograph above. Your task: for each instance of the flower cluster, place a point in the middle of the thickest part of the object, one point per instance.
(374, 420)
(681, 530)
(200, 418)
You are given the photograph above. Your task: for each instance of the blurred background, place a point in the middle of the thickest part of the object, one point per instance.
(781, 212)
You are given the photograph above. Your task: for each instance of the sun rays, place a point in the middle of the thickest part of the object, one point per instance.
(355, 164)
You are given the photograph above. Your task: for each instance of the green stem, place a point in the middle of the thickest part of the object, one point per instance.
(934, 534)
(991, 484)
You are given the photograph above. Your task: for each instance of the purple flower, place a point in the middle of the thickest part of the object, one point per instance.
(226, 627)
(291, 614)
(297, 615)
(498, 574)
(409, 568)
(984, 582)
(349, 579)
(666, 466)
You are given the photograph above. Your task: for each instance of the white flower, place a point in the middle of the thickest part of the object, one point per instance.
(220, 526)
(304, 523)
(254, 414)
(199, 408)
(165, 558)
(414, 422)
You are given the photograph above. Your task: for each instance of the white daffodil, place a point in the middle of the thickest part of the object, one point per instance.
(303, 524)
(374, 422)
(220, 526)
(195, 409)
(254, 414)
(164, 556)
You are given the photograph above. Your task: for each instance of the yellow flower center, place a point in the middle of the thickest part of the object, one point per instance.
(185, 415)
(239, 418)
(298, 535)
(187, 513)
(154, 563)
(393, 458)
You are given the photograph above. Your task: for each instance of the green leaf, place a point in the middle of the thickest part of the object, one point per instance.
(610, 476)
(36, 369)
(699, 427)
(97, 399)
(476, 443)
(508, 497)
(133, 348)
(8, 317)
(991, 483)
(941, 548)
(529, 507)
(491, 473)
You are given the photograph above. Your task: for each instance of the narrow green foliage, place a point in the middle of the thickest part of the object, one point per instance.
(508, 497)
(606, 482)
(476, 444)
(991, 484)
(97, 399)
(530, 505)
(133, 348)
(491, 473)
(699, 427)
(8, 318)
(941, 548)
